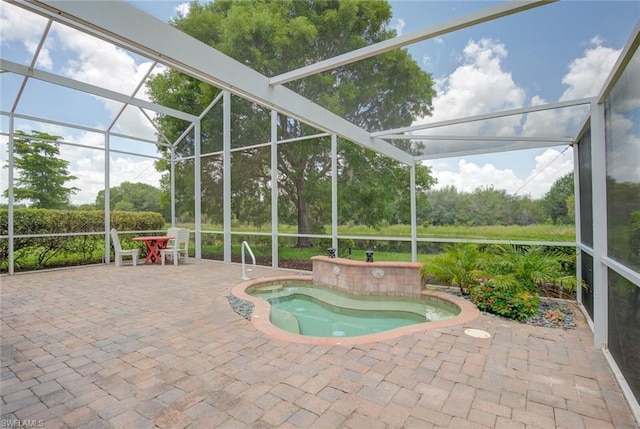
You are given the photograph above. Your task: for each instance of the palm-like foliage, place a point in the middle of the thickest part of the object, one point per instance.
(529, 266)
(459, 266)
(510, 268)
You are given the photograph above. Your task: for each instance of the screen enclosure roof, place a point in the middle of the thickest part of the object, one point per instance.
(158, 45)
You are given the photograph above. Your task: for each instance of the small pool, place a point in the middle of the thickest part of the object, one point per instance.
(306, 310)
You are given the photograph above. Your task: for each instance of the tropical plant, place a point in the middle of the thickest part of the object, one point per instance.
(530, 266)
(511, 301)
(460, 266)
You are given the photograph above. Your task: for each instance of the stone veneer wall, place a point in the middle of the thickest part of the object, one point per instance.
(368, 278)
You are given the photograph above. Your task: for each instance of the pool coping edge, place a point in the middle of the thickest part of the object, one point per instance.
(260, 316)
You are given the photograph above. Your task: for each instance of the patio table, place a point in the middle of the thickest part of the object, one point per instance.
(154, 244)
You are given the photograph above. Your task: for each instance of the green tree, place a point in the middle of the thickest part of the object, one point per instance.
(386, 91)
(555, 201)
(443, 204)
(134, 197)
(526, 211)
(366, 178)
(485, 206)
(41, 174)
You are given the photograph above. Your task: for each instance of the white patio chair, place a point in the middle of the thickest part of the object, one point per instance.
(172, 232)
(177, 248)
(121, 252)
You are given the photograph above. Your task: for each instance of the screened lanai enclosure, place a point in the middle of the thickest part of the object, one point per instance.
(252, 159)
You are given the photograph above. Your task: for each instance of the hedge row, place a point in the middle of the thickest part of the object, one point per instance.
(42, 252)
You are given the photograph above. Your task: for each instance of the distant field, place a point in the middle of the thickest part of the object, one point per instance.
(262, 248)
(493, 232)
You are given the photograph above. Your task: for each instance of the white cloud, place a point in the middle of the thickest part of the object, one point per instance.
(550, 166)
(625, 169)
(16, 24)
(585, 78)
(469, 176)
(88, 166)
(93, 61)
(399, 26)
(482, 85)
(466, 176)
(587, 73)
(103, 64)
(479, 85)
(183, 9)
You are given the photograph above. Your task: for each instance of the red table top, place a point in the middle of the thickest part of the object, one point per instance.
(153, 238)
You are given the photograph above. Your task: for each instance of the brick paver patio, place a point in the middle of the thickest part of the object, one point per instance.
(153, 346)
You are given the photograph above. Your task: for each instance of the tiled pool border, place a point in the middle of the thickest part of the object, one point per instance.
(260, 317)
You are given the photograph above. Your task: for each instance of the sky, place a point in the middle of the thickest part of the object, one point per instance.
(555, 52)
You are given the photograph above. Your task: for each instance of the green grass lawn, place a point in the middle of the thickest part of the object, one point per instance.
(496, 232)
(492, 232)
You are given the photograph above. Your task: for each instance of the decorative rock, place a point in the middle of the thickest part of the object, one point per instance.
(240, 306)
(564, 322)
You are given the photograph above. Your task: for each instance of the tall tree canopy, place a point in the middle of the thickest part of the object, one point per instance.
(41, 173)
(482, 206)
(134, 197)
(386, 91)
(555, 201)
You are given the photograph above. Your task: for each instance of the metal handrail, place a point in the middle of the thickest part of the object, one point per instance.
(253, 258)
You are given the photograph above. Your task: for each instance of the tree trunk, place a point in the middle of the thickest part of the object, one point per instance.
(303, 221)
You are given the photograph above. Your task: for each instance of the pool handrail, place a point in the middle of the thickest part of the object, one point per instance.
(253, 258)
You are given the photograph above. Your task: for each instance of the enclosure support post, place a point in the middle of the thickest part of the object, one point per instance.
(226, 163)
(197, 185)
(274, 189)
(10, 191)
(107, 198)
(577, 219)
(414, 226)
(334, 192)
(599, 181)
(172, 185)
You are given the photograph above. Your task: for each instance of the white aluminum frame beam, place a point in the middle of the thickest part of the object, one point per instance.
(621, 64)
(92, 89)
(124, 25)
(485, 116)
(274, 190)
(135, 91)
(488, 14)
(418, 137)
(32, 65)
(600, 240)
(463, 150)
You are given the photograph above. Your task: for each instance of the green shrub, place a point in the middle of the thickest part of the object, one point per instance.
(459, 266)
(511, 302)
(61, 249)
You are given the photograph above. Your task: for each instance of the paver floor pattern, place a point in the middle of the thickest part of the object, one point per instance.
(105, 347)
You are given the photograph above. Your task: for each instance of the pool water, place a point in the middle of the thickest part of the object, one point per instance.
(322, 312)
